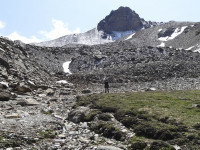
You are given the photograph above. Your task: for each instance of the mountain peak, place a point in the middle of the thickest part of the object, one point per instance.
(122, 19)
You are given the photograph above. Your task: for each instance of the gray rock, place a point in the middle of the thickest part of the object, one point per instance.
(108, 148)
(50, 92)
(86, 91)
(22, 88)
(84, 125)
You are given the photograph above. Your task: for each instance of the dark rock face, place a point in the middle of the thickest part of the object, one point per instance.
(122, 19)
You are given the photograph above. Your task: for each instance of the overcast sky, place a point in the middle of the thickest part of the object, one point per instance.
(40, 20)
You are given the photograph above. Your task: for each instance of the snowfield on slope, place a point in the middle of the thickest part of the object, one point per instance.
(175, 34)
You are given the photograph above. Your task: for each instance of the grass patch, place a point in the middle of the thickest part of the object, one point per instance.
(163, 115)
(175, 104)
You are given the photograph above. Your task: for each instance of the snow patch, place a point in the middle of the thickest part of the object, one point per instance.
(197, 50)
(197, 46)
(4, 83)
(62, 82)
(175, 34)
(190, 48)
(161, 45)
(130, 36)
(66, 67)
(119, 34)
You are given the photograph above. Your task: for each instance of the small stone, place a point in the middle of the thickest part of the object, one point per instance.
(84, 125)
(195, 105)
(62, 136)
(124, 130)
(12, 116)
(68, 127)
(23, 88)
(58, 117)
(177, 147)
(42, 95)
(49, 92)
(96, 137)
(61, 141)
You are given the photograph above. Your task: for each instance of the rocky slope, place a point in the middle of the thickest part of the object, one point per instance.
(117, 24)
(142, 67)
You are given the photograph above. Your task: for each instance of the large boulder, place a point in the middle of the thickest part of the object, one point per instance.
(5, 95)
(27, 102)
(4, 63)
(78, 114)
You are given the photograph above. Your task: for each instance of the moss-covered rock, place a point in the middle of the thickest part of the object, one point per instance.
(104, 117)
(108, 130)
(91, 115)
(160, 145)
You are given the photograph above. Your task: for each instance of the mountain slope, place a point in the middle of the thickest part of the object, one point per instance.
(180, 35)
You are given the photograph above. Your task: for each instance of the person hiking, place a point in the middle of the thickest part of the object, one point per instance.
(106, 85)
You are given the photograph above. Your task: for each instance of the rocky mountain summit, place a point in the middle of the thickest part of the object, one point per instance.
(123, 19)
(117, 24)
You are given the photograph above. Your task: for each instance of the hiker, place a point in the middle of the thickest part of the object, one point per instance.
(106, 85)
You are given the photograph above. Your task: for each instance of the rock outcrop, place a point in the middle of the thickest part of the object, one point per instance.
(122, 19)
